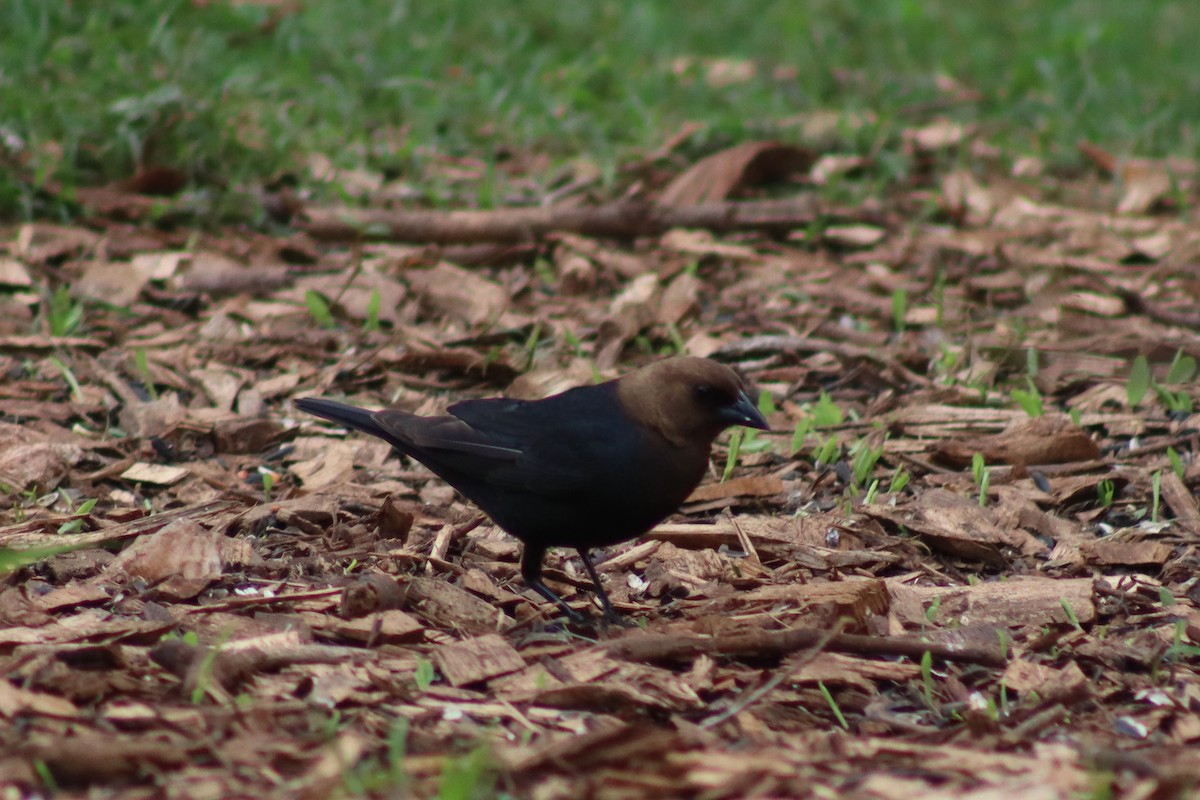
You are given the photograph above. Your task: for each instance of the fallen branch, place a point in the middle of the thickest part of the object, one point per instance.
(625, 220)
(780, 643)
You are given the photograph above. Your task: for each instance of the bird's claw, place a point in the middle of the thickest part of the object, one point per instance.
(613, 617)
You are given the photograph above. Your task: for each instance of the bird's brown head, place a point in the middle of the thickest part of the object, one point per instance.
(688, 400)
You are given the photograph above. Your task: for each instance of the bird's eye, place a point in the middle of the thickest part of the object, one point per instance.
(710, 395)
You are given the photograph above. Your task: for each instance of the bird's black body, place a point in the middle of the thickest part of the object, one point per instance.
(586, 468)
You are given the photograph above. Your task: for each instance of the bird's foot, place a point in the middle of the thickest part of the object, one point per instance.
(574, 617)
(613, 617)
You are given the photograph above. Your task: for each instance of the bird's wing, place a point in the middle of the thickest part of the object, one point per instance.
(440, 437)
(557, 445)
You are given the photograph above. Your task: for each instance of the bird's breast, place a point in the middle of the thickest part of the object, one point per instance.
(625, 498)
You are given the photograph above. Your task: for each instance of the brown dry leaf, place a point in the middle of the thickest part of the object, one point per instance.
(333, 465)
(725, 173)
(577, 274)
(182, 559)
(152, 418)
(115, 282)
(421, 359)
(40, 465)
(630, 312)
(214, 273)
(704, 243)
(71, 596)
(38, 243)
(928, 420)
(327, 773)
(680, 298)
(1048, 439)
(853, 235)
(939, 135)
(1142, 187)
(1050, 683)
(621, 262)
(459, 294)
(966, 199)
(15, 701)
(241, 434)
(1102, 305)
(354, 182)
(1155, 246)
(836, 668)
(745, 486)
(14, 273)
(1144, 182)
(1108, 552)
(219, 384)
(829, 166)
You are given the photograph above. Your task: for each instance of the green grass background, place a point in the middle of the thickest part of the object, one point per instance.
(88, 90)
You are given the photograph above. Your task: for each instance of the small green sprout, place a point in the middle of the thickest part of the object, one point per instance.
(1177, 465)
(826, 413)
(424, 674)
(899, 309)
(374, 303)
(833, 706)
(65, 315)
(1156, 494)
(735, 449)
(318, 309)
(1139, 381)
(143, 366)
(982, 476)
(1029, 400)
(800, 434)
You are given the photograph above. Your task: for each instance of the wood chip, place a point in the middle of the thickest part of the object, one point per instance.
(1107, 552)
(1050, 683)
(477, 659)
(1025, 601)
(381, 627)
(745, 486)
(158, 474)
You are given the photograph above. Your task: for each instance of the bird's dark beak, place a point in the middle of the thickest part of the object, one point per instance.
(743, 412)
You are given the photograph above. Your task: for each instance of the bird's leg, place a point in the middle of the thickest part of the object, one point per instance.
(531, 572)
(610, 613)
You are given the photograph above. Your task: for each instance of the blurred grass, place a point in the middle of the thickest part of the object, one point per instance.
(236, 96)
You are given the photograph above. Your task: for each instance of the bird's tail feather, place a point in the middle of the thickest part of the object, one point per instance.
(350, 416)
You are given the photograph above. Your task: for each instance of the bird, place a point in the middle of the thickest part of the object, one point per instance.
(589, 467)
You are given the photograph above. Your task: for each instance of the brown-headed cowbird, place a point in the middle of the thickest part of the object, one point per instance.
(586, 468)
